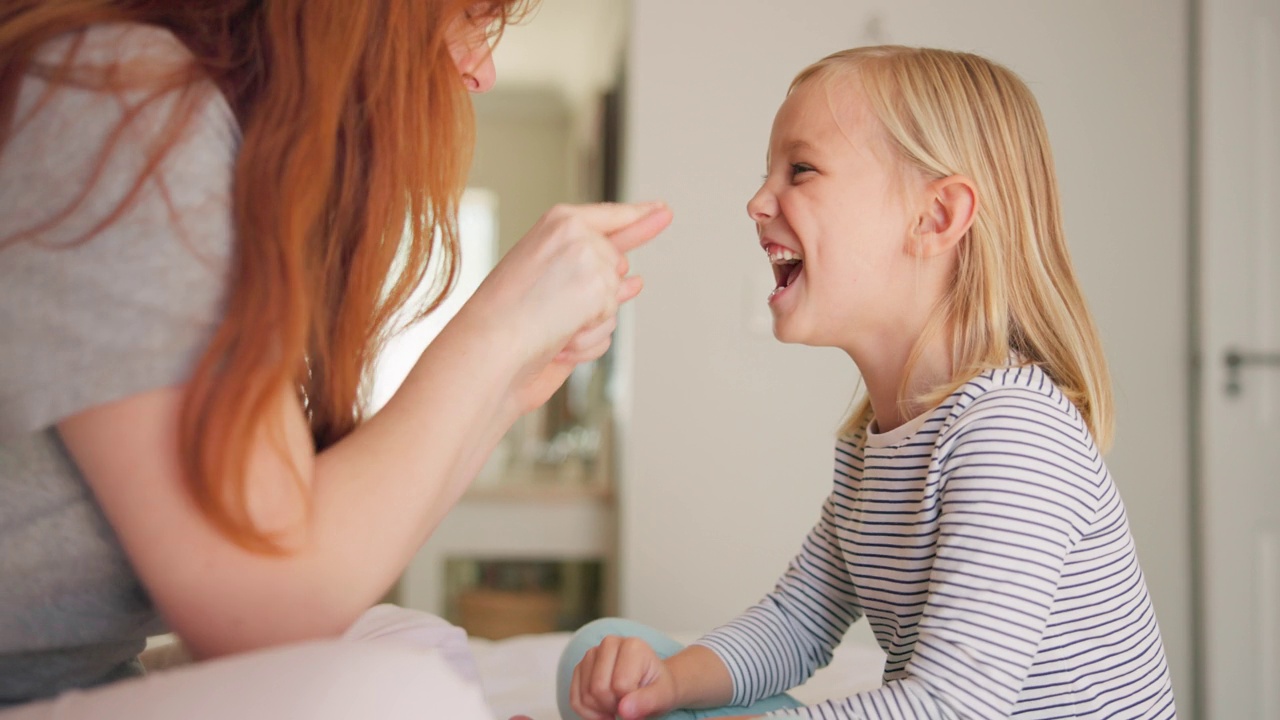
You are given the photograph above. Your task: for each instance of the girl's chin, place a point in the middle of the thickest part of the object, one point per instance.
(785, 331)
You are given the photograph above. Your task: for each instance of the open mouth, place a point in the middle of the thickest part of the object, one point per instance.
(787, 266)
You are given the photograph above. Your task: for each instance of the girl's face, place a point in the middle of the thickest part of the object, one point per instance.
(833, 217)
(469, 46)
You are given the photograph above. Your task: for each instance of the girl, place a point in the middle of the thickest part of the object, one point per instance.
(202, 206)
(911, 217)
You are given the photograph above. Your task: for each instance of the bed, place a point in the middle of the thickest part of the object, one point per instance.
(519, 673)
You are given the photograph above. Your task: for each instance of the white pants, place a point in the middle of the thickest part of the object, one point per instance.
(392, 663)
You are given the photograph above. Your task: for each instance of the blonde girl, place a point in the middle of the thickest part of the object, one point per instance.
(911, 217)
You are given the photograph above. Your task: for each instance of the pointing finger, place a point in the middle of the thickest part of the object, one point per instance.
(608, 218)
(642, 230)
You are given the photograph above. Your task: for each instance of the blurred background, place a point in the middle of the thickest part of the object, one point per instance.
(672, 481)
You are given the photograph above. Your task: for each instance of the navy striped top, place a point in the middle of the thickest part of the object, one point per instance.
(989, 550)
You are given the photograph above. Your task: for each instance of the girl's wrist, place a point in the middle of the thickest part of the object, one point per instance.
(699, 678)
(677, 685)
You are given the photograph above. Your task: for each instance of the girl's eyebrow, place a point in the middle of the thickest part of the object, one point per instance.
(787, 149)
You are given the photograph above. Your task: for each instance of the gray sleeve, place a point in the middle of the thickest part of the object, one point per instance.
(132, 307)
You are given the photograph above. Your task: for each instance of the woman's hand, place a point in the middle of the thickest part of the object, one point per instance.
(589, 344)
(622, 677)
(561, 287)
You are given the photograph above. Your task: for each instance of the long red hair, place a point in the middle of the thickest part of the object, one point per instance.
(357, 134)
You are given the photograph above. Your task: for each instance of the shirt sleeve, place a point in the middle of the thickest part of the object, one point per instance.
(130, 307)
(789, 635)
(1018, 493)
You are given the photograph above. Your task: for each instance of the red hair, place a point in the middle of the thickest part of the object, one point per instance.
(357, 131)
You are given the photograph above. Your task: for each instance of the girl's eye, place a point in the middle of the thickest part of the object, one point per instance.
(799, 168)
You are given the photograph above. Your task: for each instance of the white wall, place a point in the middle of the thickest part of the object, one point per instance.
(727, 439)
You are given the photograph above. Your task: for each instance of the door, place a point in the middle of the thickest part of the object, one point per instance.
(1239, 267)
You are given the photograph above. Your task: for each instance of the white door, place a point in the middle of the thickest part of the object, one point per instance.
(1240, 398)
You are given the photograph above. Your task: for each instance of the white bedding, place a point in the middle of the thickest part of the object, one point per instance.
(519, 673)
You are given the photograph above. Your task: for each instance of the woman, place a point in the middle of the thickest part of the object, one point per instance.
(200, 204)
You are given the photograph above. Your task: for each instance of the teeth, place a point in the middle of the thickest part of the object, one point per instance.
(779, 255)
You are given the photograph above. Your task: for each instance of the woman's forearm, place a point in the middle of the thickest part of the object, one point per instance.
(383, 490)
(379, 493)
(349, 519)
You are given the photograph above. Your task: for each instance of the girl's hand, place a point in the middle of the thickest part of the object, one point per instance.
(622, 677)
(562, 284)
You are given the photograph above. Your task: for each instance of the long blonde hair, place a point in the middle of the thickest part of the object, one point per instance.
(953, 113)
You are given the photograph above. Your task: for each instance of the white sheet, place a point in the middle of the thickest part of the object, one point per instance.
(518, 674)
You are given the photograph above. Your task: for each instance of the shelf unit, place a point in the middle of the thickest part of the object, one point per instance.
(537, 524)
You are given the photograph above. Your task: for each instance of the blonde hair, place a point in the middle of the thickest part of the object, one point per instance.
(952, 113)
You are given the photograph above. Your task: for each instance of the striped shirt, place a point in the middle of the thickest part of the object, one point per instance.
(990, 552)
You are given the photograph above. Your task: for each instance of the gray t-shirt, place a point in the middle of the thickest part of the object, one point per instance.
(82, 324)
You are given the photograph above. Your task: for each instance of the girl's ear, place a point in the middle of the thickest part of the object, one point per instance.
(949, 209)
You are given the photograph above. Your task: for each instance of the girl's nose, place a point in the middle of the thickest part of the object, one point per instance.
(762, 206)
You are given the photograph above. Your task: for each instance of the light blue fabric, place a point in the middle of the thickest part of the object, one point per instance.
(592, 633)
